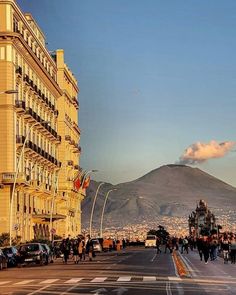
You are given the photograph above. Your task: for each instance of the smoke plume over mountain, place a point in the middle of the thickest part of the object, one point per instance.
(201, 152)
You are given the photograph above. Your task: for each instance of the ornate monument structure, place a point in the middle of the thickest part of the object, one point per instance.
(201, 221)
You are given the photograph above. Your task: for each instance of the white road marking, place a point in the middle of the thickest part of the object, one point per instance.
(153, 257)
(174, 279)
(168, 289)
(38, 290)
(188, 266)
(24, 282)
(99, 280)
(124, 279)
(73, 281)
(5, 282)
(49, 281)
(147, 279)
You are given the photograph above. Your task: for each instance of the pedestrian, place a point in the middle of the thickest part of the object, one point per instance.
(206, 249)
(225, 248)
(89, 248)
(75, 251)
(158, 243)
(200, 246)
(81, 249)
(233, 249)
(185, 245)
(65, 249)
(213, 247)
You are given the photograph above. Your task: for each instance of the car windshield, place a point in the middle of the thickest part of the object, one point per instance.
(151, 237)
(29, 248)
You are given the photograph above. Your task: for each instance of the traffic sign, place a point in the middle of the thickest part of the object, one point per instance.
(53, 231)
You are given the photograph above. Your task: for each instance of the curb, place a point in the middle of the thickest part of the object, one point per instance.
(180, 266)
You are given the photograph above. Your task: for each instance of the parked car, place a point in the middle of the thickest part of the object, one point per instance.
(97, 247)
(49, 253)
(32, 253)
(3, 260)
(11, 255)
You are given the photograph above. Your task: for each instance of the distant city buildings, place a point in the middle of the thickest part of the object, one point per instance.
(39, 133)
(201, 221)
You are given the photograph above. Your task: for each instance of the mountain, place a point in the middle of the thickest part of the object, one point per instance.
(171, 190)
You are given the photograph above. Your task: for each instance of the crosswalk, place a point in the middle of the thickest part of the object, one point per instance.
(72, 281)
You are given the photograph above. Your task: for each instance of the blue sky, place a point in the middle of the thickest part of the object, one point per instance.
(154, 77)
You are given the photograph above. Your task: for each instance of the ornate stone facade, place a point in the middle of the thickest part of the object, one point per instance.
(201, 221)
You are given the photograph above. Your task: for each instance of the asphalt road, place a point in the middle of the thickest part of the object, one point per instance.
(131, 271)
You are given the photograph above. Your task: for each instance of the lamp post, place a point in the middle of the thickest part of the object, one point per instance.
(15, 178)
(94, 201)
(52, 206)
(9, 92)
(103, 209)
(84, 177)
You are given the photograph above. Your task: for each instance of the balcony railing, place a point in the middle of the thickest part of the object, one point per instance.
(20, 105)
(67, 137)
(20, 139)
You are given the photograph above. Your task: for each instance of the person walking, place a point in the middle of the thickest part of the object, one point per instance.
(233, 249)
(206, 249)
(65, 249)
(200, 246)
(213, 248)
(158, 243)
(75, 251)
(225, 248)
(89, 248)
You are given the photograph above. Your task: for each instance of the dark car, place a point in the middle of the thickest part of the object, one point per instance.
(3, 260)
(32, 253)
(11, 255)
(49, 253)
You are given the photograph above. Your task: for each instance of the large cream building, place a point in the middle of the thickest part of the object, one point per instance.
(39, 133)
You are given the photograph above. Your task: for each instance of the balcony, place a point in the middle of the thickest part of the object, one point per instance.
(20, 139)
(20, 106)
(67, 137)
(26, 79)
(70, 163)
(58, 140)
(19, 71)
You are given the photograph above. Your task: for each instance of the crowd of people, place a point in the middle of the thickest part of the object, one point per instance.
(79, 248)
(208, 247)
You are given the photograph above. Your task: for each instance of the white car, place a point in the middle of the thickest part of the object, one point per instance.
(96, 245)
(150, 241)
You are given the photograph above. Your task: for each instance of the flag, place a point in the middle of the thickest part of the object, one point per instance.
(77, 182)
(86, 182)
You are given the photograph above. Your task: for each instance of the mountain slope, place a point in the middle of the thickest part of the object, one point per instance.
(171, 190)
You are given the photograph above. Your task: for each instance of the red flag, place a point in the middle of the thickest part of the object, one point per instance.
(77, 182)
(86, 182)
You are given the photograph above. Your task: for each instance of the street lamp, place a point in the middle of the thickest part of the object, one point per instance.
(9, 91)
(15, 177)
(52, 205)
(84, 177)
(94, 201)
(103, 209)
(87, 173)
